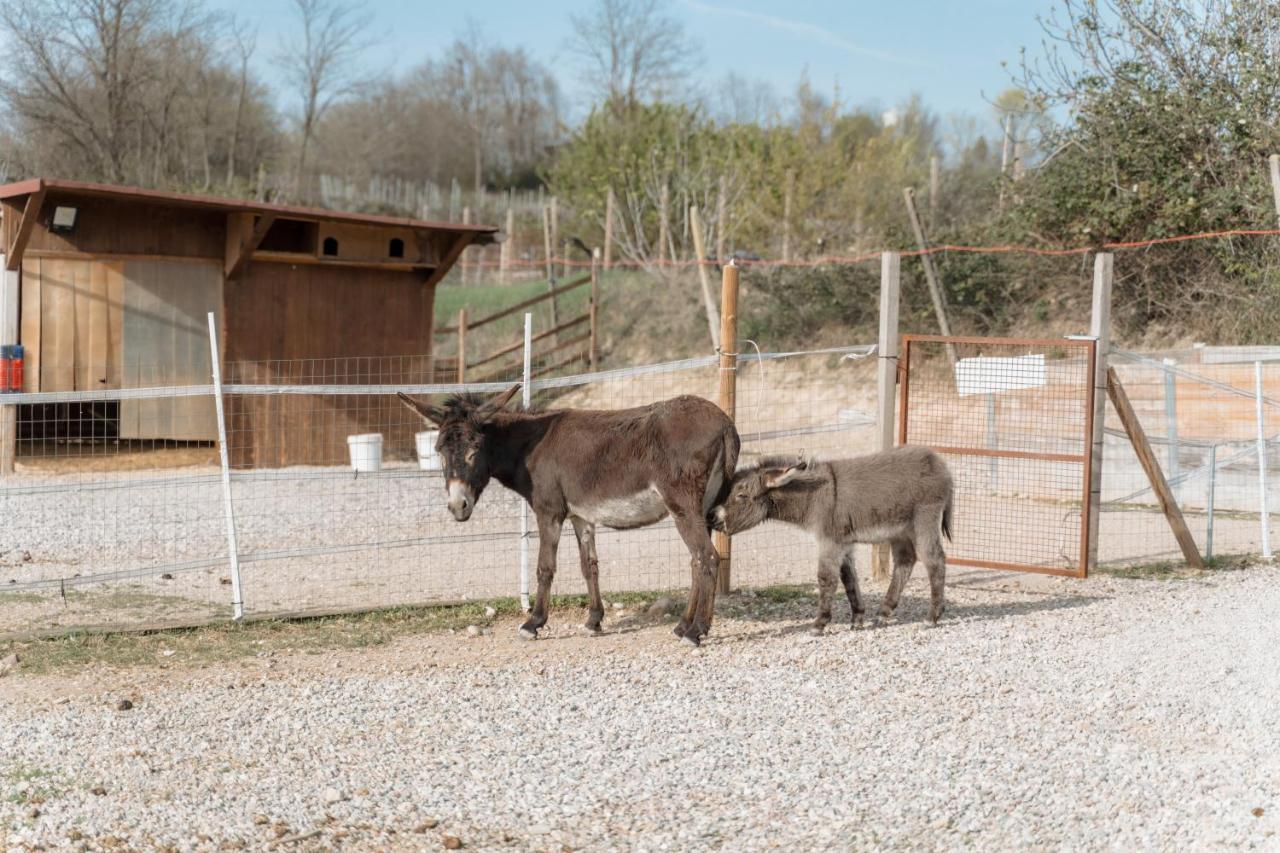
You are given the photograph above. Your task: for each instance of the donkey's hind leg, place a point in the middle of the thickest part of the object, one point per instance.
(904, 560)
(849, 577)
(929, 543)
(585, 532)
(704, 564)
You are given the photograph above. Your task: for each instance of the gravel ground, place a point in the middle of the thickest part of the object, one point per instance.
(1043, 713)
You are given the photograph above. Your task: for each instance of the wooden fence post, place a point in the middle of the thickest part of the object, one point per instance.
(466, 259)
(886, 379)
(728, 387)
(462, 345)
(608, 230)
(935, 181)
(1146, 456)
(1100, 331)
(508, 246)
(1274, 160)
(593, 351)
(664, 224)
(788, 192)
(555, 230)
(704, 278)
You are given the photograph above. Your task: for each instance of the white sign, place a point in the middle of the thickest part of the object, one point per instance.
(984, 375)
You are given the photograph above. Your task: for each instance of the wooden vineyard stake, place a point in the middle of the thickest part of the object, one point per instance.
(1138, 438)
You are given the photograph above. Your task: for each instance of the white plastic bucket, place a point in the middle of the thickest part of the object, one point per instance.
(366, 451)
(428, 459)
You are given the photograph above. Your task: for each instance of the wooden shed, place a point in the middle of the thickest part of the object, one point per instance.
(109, 287)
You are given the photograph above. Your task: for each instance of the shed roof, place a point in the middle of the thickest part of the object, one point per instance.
(482, 234)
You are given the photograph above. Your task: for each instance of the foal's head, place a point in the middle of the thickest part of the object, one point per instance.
(462, 444)
(750, 500)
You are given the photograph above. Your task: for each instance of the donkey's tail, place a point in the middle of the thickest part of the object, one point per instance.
(946, 517)
(732, 445)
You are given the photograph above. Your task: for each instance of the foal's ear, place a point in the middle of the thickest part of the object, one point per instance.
(502, 399)
(430, 414)
(777, 477)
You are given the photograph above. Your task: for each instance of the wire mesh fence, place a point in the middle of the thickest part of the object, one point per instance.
(1013, 419)
(339, 505)
(1212, 416)
(337, 501)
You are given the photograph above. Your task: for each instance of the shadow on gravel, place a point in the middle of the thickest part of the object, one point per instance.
(795, 615)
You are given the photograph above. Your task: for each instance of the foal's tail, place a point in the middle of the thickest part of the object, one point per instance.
(946, 517)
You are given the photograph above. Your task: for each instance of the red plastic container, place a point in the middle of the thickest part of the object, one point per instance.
(6, 369)
(15, 368)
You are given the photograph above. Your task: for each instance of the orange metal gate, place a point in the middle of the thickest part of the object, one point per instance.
(1014, 420)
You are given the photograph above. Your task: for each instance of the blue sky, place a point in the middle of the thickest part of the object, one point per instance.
(879, 52)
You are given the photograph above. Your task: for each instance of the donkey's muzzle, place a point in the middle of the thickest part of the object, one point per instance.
(715, 519)
(461, 503)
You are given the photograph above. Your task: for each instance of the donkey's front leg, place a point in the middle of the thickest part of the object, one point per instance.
(585, 532)
(830, 556)
(548, 543)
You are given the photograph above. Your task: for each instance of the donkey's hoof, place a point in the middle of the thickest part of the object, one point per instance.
(817, 630)
(859, 623)
(528, 633)
(593, 630)
(883, 621)
(691, 639)
(680, 629)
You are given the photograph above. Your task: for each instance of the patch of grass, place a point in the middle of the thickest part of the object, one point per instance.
(38, 784)
(21, 598)
(1176, 569)
(227, 641)
(230, 641)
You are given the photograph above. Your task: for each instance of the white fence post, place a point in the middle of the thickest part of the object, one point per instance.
(524, 505)
(1100, 330)
(886, 379)
(1171, 427)
(233, 549)
(1264, 514)
(1209, 500)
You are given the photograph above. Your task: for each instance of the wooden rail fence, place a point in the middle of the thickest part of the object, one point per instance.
(580, 346)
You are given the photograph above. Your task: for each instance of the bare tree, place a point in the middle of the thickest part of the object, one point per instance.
(319, 63)
(630, 50)
(245, 44)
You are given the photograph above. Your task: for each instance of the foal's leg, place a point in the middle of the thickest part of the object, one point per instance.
(548, 543)
(849, 577)
(929, 543)
(904, 560)
(830, 555)
(704, 564)
(585, 532)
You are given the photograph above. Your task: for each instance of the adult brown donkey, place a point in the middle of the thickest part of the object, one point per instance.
(619, 468)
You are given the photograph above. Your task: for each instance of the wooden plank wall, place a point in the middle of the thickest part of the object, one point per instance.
(1203, 412)
(108, 226)
(304, 324)
(166, 342)
(72, 323)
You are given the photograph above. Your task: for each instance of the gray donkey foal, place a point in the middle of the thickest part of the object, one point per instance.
(901, 496)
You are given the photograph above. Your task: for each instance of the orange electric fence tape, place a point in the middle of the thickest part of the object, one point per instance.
(831, 260)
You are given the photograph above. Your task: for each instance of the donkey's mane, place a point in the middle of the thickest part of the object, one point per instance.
(466, 404)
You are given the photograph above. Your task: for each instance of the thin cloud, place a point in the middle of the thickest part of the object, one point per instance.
(813, 32)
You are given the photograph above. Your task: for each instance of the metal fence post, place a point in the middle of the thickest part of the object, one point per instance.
(1208, 501)
(1171, 427)
(233, 549)
(1264, 514)
(524, 505)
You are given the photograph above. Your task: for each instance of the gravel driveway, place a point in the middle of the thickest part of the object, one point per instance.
(1043, 713)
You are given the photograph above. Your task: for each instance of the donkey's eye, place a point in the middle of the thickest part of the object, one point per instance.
(471, 456)
(742, 496)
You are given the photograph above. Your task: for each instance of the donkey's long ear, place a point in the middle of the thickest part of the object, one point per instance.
(430, 414)
(501, 400)
(776, 477)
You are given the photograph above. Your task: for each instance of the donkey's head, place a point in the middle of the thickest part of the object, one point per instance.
(463, 445)
(751, 493)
